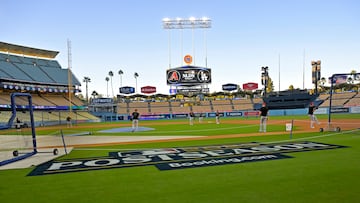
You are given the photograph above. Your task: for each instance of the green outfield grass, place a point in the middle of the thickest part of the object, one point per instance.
(173, 128)
(315, 176)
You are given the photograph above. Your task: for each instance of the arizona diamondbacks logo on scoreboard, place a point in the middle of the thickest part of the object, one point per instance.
(180, 158)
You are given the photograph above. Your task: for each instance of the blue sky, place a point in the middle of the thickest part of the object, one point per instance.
(110, 35)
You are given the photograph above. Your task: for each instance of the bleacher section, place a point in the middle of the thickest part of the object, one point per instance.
(4, 98)
(4, 116)
(354, 101)
(222, 105)
(45, 100)
(142, 107)
(338, 99)
(48, 116)
(122, 108)
(159, 107)
(204, 106)
(178, 107)
(242, 104)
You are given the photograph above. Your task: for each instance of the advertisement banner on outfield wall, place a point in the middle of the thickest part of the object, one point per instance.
(213, 114)
(321, 111)
(180, 115)
(339, 110)
(234, 114)
(355, 109)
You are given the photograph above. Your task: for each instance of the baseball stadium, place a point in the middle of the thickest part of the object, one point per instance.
(95, 156)
(246, 143)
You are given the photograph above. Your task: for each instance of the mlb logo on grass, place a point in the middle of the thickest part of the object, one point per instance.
(181, 158)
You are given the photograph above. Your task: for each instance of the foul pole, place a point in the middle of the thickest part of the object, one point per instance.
(69, 75)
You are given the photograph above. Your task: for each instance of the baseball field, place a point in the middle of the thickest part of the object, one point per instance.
(172, 161)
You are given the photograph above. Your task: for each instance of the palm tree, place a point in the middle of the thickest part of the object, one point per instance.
(94, 94)
(86, 81)
(270, 85)
(291, 87)
(136, 75)
(111, 74)
(120, 73)
(323, 81)
(107, 86)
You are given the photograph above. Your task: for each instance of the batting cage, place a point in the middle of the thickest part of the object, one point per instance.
(18, 139)
(338, 124)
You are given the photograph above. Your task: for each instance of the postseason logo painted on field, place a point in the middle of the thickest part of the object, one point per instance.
(180, 158)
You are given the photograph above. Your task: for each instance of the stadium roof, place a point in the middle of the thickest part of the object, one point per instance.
(29, 51)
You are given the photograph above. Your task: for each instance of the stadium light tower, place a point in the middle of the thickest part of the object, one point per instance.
(316, 73)
(264, 78)
(191, 23)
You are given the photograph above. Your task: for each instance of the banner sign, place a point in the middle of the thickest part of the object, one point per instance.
(180, 115)
(250, 86)
(188, 76)
(193, 90)
(213, 114)
(148, 89)
(355, 109)
(229, 87)
(102, 101)
(234, 114)
(340, 79)
(339, 110)
(180, 158)
(127, 90)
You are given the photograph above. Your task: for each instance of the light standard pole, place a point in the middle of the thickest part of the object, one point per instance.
(111, 74)
(107, 86)
(120, 73)
(190, 23)
(136, 75)
(87, 80)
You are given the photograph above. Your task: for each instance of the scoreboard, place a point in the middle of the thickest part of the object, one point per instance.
(188, 76)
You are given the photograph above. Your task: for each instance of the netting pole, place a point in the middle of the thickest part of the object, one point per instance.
(330, 102)
(30, 106)
(32, 123)
(63, 140)
(291, 129)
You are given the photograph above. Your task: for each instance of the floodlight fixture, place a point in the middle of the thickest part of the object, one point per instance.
(190, 23)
